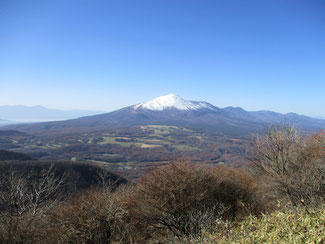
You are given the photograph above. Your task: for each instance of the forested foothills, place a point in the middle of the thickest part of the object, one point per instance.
(277, 197)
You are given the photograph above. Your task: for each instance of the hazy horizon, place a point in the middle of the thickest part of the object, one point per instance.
(106, 55)
(94, 112)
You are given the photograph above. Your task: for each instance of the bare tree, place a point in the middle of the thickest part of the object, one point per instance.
(292, 165)
(25, 197)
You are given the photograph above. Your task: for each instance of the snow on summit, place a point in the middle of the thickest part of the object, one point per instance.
(172, 101)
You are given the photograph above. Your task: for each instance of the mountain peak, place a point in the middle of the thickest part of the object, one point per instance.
(172, 101)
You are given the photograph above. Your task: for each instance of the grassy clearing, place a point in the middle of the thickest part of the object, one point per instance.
(46, 146)
(110, 155)
(153, 141)
(143, 143)
(107, 140)
(161, 127)
(184, 147)
(149, 145)
(161, 130)
(200, 138)
(112, 140)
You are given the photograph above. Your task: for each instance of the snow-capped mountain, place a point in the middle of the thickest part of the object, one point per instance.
(174, 110)
(172, 101)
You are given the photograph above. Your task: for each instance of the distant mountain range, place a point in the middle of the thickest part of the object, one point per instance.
(12, 114)
(174, 110)
(4, 122)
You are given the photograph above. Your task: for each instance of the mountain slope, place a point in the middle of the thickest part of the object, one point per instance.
(174, 110)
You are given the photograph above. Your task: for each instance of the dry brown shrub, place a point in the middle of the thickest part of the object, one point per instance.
(93, 217)
(241, 191)
(174, 198)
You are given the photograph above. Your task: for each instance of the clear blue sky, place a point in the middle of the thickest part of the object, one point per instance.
(104, 54)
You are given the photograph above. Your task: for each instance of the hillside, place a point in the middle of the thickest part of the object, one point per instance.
(8, 155)
(79, 176)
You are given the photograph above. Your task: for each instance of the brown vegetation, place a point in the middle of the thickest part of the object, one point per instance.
(92, 217)
(174, 200)
(180, 200)
(25, 200)
(293, 166)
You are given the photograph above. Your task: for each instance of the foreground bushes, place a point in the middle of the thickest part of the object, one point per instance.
(300, 226)
(31, 194)
(182, 198)
(179, 199)
(93, 217)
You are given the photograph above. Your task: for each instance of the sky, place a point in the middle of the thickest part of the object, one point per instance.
(105, 54)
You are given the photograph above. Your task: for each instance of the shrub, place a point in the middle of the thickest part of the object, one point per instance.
(94, 217)
(293, 166)
(241, 191)
(177, 197)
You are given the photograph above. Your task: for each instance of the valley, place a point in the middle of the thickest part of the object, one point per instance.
(130, 151)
